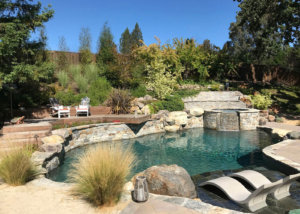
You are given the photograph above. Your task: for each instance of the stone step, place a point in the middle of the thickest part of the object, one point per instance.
(24, 135)
(43, 126)
(6, 144)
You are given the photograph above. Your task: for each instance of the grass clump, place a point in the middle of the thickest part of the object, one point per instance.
(16, 167)
(100, 173)
(120, 101)
(63, 78)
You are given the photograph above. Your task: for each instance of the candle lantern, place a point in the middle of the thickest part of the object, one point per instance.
(141, 192)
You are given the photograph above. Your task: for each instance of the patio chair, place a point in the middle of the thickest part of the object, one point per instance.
(256, 180)
(54, 106)
(63, 111)
(240, 195)
(84, 107)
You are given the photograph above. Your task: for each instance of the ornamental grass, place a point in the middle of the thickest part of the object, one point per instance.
(16, 167)
(100, 173)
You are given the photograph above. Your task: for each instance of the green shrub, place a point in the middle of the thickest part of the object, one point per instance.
(82, 83)
(100, 174)
(74, 70)
(170, 103)
(91, 72)
(215, 87)
(16, 167)
(261, 102)
(279, 119)
(120, 101)
(99, 91)
(140, 91)
(63, 78)
(68, 98)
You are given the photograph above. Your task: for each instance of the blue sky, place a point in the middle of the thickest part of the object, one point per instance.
(166, 19)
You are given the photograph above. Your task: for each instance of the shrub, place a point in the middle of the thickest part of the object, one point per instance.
(91, 72)
(170, 103)
(63, 78)
(120, 101)
(82, 83)
(140, 91)
(74, 70)
(261, 102)
(186, 93)
(99, 91)
(100, 173)
(68, 98)
(16, 167)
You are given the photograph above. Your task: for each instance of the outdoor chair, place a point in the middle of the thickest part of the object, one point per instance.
(84, 107)
(262, 185)
(63, 111)
(256, 179)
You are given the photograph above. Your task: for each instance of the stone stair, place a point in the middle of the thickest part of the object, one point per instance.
(19, 135)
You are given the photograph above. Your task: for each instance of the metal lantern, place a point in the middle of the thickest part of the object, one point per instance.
(141, 192)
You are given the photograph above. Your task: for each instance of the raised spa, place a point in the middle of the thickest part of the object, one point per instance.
(231, 119)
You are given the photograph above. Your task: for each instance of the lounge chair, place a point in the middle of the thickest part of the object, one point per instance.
(54, 106)
(84, 106)
(239, 194)
(256, 179)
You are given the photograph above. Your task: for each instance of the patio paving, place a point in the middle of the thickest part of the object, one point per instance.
(153, 206)
(283, 126)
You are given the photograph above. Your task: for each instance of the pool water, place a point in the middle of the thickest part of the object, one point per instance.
(196, 150)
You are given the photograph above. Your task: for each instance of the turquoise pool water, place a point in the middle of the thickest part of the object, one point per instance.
(196, 150)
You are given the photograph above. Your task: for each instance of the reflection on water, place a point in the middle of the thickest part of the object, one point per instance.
(196, 150)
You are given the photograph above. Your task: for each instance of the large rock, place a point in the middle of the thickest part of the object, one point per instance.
(65, 133)
(173, 128)
(293, 135)
(170, 180)
(146, 110)
(271, 118)
(197, 112)
(177, 117)
(194, 122)
(52, 164)
(52, 139)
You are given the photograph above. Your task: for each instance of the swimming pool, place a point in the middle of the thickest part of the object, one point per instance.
(196, 150)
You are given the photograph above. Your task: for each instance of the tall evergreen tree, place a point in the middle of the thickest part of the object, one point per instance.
(136, 36)
(125, 42)
(106, 46)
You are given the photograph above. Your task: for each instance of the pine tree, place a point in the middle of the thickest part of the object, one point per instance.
(136, 36)
(125, 42)
(106, 46)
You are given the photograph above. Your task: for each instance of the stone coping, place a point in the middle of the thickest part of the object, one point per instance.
(272, 152)
(242, 110)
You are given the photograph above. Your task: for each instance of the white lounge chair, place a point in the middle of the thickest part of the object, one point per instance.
(63, 111)
(256, 180)
(239, 194)
(84, 107)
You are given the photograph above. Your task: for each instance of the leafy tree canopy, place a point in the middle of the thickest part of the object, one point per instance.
(20, 55)
(264, 28)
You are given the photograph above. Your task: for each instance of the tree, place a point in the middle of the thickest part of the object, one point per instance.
(85, 40)
(106, 46)
(18, 20)
(136, 37)
(23, 59)
(62, 61)
(264, 28)
(125, 42)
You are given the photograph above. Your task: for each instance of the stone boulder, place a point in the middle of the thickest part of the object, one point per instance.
(262, 121)
(293, 135)
(52, 139)
(61, 132)
(271, 118)
(52, 144)
(173, 128)
(197, 112)
(177, 118)
(146, 110)
(170, 180)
